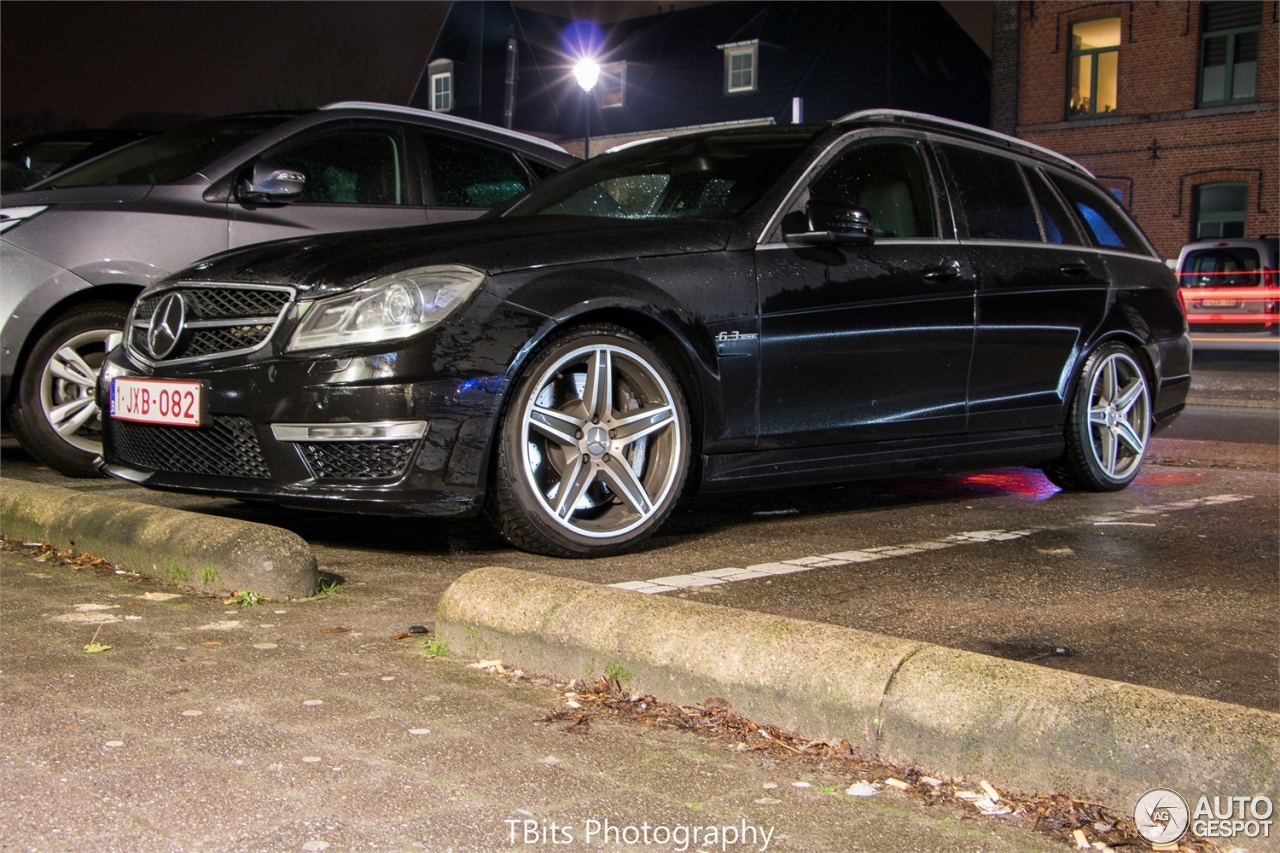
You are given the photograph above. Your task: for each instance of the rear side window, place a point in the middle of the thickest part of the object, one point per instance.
(355, 165)
(1104, 223)
(467, 174)
(992, 194)
(1058, 227)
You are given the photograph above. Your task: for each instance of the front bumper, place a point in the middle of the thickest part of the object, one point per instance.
(341, 434)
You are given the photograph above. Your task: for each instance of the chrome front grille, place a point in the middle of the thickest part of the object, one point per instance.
(217, 320)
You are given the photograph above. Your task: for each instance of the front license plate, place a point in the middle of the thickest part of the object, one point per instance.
(156, 401)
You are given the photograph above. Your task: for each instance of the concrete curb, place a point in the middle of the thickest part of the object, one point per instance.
(200, 552)
(940, 709)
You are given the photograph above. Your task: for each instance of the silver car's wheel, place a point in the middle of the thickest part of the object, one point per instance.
(55, 414)
(1109, 423)
(1119, 416)
(594, 446)
(67, 388)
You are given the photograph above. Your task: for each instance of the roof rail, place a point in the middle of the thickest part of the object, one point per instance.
(442, 117)
(862, 115)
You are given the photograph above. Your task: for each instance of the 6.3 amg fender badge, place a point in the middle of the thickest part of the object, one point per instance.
(166, 325)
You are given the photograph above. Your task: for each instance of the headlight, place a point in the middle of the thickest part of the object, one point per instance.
(387, 309)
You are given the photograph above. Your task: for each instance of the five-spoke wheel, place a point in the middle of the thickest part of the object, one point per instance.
(56, 416)
(1109, 423)
(594, 446)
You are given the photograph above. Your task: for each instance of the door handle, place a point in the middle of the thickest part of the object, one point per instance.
(944, 272)
(1074, 268)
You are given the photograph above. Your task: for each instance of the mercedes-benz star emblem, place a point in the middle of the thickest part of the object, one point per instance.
(166, 325)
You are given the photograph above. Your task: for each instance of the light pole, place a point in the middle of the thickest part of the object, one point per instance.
(587, 72)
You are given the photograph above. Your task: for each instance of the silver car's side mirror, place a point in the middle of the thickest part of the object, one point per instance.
(270, 183)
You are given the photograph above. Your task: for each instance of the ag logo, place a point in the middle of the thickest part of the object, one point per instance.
(1161, 815)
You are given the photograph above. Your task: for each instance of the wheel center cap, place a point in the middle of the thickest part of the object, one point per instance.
(597, 441)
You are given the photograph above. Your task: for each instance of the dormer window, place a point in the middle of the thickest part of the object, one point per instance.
(740, 62)
(440, 73)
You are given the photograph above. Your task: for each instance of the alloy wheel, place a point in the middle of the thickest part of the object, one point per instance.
(1119, 416)
(602, 443)
(67, 388)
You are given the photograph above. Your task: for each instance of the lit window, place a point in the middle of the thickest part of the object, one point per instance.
(1095, 54)
(1229, 52)
(613, 84)
(1220, 210)
(740, 67)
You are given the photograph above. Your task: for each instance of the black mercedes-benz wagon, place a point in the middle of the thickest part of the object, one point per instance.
(732, 309)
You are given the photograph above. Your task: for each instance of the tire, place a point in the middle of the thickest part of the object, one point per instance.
(54, 413)
(1109, 423)
(624, 453)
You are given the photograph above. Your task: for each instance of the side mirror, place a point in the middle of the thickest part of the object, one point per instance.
(270, 183)
(830, 222)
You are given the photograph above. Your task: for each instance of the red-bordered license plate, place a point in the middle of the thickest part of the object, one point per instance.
(156, 401)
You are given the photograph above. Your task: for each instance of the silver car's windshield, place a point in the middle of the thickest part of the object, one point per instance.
(168, 157)
(707, 176)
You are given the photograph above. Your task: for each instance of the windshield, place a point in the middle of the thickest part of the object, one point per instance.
(168, 157)
(712, 176)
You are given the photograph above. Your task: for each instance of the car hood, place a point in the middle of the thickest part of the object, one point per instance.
(332, 263)
(78, 195)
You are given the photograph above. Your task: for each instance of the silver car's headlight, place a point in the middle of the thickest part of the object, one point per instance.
(387, 309)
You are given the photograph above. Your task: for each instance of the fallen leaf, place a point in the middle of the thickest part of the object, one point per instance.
(211, 643)
(337, 630)
(403, 636)
(94, 648)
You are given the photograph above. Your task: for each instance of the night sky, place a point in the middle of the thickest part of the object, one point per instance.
(99, 61)
(94, 63)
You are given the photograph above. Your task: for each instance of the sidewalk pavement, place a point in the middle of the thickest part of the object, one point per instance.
(304, 726)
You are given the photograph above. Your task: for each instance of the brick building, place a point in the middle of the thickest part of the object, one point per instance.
(1172, 105)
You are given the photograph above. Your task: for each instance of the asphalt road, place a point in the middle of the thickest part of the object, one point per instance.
(1223, 423)
(1170, 583)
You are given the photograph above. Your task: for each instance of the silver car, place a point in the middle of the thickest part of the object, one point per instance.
(79, 246)
(1231, 285)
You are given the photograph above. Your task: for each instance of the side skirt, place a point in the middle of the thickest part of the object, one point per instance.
(812, 465)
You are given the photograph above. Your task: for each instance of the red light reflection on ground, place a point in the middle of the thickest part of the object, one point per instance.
(1026, 482)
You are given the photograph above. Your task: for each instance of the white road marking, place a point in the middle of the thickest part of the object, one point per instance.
(714, 577)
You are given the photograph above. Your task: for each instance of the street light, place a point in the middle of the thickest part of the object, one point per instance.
(587, 72)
